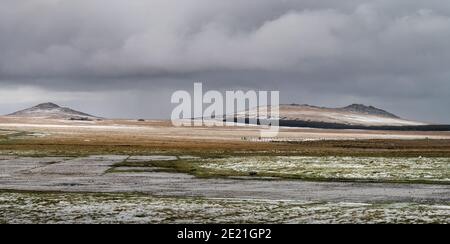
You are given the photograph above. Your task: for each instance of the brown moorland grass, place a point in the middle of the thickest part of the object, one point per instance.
(159, 137)
(122, 144)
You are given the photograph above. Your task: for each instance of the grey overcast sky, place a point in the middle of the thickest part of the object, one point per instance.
(118, 58)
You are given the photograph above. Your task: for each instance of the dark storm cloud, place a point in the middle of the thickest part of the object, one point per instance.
(339, 51)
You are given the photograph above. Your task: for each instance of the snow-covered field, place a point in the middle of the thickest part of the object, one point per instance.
(348, 168)
(137, 208)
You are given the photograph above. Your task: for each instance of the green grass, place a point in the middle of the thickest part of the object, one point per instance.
(11, 136)
(178, 166)
(23, 144)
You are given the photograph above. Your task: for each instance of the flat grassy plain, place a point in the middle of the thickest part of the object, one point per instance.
(216, 154)
(98, 144)
(222, 153)
(64, 138)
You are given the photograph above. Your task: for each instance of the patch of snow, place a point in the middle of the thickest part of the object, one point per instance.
(151, 158)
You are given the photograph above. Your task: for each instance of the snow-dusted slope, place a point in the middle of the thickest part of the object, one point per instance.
(52, 111)
(355, 114)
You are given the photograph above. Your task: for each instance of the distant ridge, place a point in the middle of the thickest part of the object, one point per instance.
(352, 115)
(52, 111)
(353, 108)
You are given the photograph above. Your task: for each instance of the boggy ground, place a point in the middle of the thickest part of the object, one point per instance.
(103, 190)
(106, 174)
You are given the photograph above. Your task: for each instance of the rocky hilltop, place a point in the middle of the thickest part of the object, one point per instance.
(370, 110)
(52, 111)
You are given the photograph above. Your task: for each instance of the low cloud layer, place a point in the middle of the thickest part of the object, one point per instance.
(393, 54)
